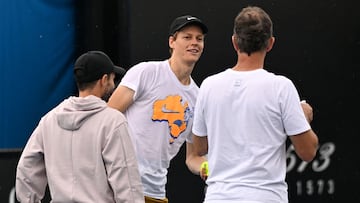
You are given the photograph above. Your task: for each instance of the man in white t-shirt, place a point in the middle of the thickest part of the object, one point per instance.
(243, 118)
(158, 99)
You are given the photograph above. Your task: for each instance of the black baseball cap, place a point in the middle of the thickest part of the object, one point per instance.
(186, 20)
(92, 65)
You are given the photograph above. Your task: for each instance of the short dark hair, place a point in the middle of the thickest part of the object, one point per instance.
(86, 85)
(252, 29)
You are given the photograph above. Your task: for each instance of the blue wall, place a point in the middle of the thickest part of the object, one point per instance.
(36, 55)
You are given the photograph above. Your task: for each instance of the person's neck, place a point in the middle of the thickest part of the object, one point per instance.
(89, 92)
(181, 70)
(248, 63)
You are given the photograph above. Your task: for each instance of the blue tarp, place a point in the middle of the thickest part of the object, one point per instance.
(37, 40)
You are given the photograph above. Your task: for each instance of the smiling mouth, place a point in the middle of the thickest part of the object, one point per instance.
(194, 51)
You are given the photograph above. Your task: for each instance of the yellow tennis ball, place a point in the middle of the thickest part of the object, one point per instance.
(205, 166)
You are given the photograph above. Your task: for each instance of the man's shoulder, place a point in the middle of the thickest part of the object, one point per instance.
(147, 69)
(145, 64)
(113, 113)
(112, 117)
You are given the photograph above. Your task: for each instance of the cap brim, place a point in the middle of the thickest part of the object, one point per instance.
(119, 74)
(119, 71)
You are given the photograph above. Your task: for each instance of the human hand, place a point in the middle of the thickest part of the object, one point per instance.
(308, 111)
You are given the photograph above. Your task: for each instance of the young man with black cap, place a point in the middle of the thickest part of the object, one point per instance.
(158, 99)
(82, 148)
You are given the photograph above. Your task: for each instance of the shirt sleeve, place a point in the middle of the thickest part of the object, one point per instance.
(139, 78)
(122, 168)
(31, 177)
(294, 119)
(199, 125)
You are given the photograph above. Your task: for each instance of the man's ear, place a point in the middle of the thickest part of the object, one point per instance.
(171, 40)
(104, 79)
(270, 44)
(234, 42)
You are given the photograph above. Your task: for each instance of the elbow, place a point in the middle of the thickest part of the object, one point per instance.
(306, 146)
(308, 156)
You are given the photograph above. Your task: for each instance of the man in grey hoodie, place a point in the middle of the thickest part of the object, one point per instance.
(82, 148)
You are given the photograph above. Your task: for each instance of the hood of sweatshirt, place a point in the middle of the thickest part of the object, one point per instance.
(74, 111)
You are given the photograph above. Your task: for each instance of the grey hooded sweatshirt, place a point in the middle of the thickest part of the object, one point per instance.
(83, 151)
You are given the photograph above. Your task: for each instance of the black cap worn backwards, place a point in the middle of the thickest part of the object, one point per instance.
(186, 20)
(92, 65)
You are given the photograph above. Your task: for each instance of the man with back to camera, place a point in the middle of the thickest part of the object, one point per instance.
(82, 148)
(243, 117)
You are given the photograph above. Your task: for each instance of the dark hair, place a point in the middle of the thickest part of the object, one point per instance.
(252, 29)
(87, 85)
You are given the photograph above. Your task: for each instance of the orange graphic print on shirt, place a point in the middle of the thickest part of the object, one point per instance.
(172, 110)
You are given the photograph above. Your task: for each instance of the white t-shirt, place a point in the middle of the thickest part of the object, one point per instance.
(160, 119)
(247, 117)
